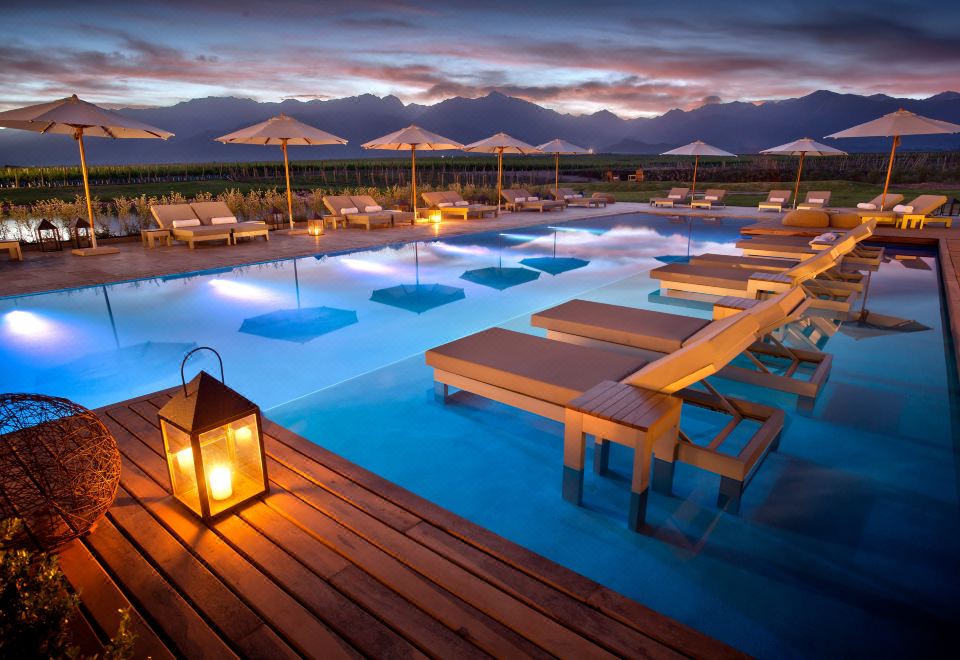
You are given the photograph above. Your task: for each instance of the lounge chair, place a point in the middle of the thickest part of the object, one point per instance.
(712, 198)
(775, 201)
(891, 200)
(571, 198)
(13, 247)
(218, 213)
(451, 204)
(815, 199)
(475, 209)
(649, 333)
(367, 204)
(801, 247)
(544, 377)
(342, 206)
(607, 197)
(915, 214)
(674, 197)
(519, 199)
(184, 225)
(712, 282)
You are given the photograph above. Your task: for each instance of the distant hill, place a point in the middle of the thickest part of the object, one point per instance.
(738, 127)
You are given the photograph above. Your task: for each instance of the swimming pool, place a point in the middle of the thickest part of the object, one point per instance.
(848, 538)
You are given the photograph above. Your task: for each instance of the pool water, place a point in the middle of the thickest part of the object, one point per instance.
(847, 541)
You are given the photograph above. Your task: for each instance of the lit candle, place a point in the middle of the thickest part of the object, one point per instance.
(185, 460)
(221, 483)
(243, 434)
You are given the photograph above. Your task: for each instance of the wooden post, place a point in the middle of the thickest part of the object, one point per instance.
(499, 176)
(893, 151)
(796, 188)
(696, 162)
(413, 178)
(78, 136)
(556, 189)
(286, 167)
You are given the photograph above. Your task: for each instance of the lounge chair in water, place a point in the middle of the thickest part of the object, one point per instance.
(674, 197)
(342, 207)
(519, 199)
(815, 199)
(184, 225)
(219, 214)
(915, 214)
(367, 204)
(571, 198)
(801, 247)
(712, 198)
(775, 201)
(625, 398)
(768, 362)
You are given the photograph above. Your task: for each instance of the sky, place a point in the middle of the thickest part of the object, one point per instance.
(633, 58)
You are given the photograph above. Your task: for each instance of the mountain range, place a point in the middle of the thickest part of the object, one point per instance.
(739, 127)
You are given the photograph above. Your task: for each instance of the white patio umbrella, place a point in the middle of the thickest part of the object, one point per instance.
(499, 144)
(559, 148)
(411, 139)
(697, 148)
(282, 130)
(896, 124)
(802, 147)
(71, 116)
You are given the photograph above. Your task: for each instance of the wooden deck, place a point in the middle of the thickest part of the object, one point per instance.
(335, 562)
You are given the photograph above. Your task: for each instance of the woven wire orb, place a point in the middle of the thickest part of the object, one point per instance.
(59, 468)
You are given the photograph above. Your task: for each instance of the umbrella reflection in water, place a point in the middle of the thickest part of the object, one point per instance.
(417, 297)
(498, 277)
(554, 264)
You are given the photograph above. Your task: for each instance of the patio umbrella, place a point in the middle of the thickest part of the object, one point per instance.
(696, 149)
(71, 116)
(282, 130)
(499, 144)
(410, 139)
(896, 124)
(803, 147)
(554, 264)
(417, 297)
(559, 148)
(497, 277)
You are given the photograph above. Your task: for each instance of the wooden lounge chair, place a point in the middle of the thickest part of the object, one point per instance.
(342, 206)
(13, 247)
(218, 213)
(545, 377)
(571, 198)
(853, 279)
(815, 199)
(868, 208)
(801, 247)
(674, 197)
(915, 214)
(649, 333)
(367, 204)
(775, 201)
(519, 199)
(184, 225)
(475, 209)
(712, 198)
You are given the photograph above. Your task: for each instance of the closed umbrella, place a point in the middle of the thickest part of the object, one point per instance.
(559, 148)
(499, 144)
(282, 130)
(697, 148)
(896, 124)
(71, 116)
(803, 147)
(411, 139)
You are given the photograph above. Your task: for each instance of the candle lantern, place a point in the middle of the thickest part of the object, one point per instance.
(48, 236)
(315, 226)
(435, 216)
(80, 233)
(213, 443)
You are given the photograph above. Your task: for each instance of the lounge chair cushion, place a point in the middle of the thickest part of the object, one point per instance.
(711, 198)
(902, 208)
(349, 210)
(867, 206)
(190, 222)
(845, 220)
(544, 369)
(374, 208)
(462, 202)
(721, 276)
(444, 205)
(806, 218)
(519, 199)
(226, 220)
(627, 326)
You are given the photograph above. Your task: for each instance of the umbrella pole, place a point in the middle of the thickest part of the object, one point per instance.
(696, 162)
(286, 167)
(893, 151)
(78, 136)
(499, 176)
(413, 179)
(796, 188)
(556, 185)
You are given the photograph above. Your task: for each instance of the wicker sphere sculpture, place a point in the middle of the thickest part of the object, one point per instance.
(59, 468)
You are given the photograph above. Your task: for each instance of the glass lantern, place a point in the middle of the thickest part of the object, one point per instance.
(315, 226)
(48, 236)
(435, 216)
(213, 443)
(80, 233)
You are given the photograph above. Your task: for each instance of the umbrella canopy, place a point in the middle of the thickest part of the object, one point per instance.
(298, 325)
(558, 148)
(411, 139)
(77, 118)
(500, 144)
(803, 147)
(894, 125)
(697, 148)
(282, 130)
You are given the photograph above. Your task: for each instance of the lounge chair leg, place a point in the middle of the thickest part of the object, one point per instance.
(573, 485)
(574, 450)
(601, 456)
(729, 497)
(638, 510)
(441, 392)
(663, 476)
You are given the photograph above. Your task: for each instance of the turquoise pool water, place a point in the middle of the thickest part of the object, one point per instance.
(848, 538)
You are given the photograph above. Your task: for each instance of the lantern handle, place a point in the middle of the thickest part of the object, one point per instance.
(183, 379)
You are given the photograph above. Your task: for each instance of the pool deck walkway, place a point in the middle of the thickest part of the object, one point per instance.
(334, 562)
